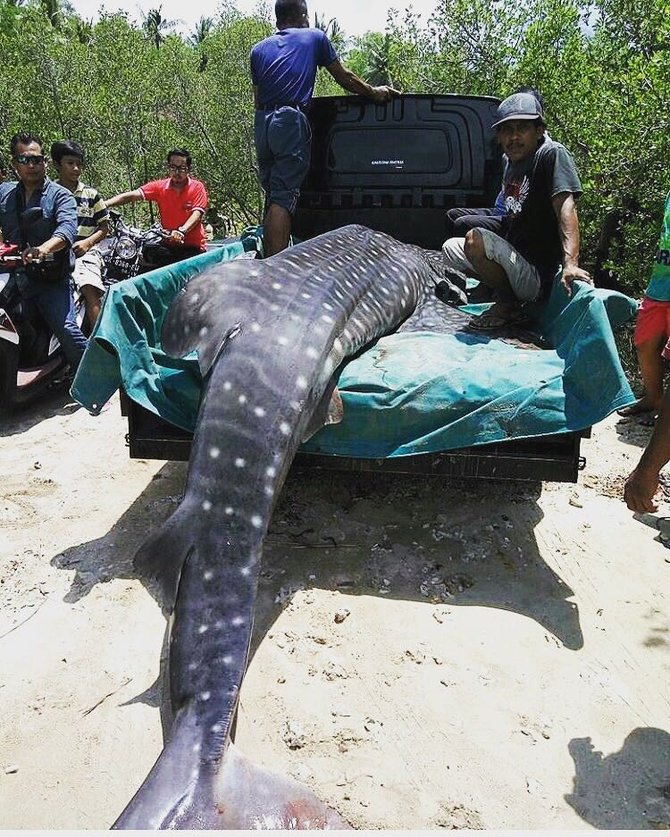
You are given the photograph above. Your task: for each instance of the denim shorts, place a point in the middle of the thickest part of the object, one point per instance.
(283, 140)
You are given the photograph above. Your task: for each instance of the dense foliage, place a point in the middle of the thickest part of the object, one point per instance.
(129, 91)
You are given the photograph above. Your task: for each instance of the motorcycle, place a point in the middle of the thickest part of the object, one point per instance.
(128, 251)
(31, 358)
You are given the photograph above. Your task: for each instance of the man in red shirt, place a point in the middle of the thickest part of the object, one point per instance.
(182, 201)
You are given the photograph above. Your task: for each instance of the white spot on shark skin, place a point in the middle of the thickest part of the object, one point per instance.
(195, 298)
(229, 510)
(283, 341)
(312, 353)
(192, 666)
(208, 575)
(301, 382)
(242, 399)
(269, 490)
(284, 428)
(205, 695)
(227, 660)
(259, 411)
(216, 728)
(206, 505)
(245, 571)
(203, 332)
(214, 453)
(240, 462)
(256, 521)
(327, 306)
(196, 747)
(271, 472)
(274, 307)
(306, 296)
(194, 773)
(202, 629)
(277, 286)
(255, 328)
(237, 621)
(227, 385)
(296, 405)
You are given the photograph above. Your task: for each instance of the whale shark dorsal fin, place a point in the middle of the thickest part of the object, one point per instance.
(252, 798)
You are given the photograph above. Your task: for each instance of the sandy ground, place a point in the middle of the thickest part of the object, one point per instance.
(428, 654)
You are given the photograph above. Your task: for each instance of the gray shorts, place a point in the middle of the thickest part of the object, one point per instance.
(524, 278)
(283, 143)
(88, 270)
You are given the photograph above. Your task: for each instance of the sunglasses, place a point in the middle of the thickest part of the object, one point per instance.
(178, 168)
(30, 159)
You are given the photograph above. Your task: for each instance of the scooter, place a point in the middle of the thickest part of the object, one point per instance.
(31, 358)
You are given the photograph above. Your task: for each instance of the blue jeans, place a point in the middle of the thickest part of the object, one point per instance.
(283, 144)
(53, 300)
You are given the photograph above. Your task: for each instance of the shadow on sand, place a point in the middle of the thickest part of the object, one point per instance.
(629, 789)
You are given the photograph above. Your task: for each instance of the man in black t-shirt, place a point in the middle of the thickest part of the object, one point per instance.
(541, 229)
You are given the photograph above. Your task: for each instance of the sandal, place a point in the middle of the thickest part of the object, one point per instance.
(491, 320)
(636, 409)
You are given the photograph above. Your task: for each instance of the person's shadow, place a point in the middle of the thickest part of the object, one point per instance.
(629, 789)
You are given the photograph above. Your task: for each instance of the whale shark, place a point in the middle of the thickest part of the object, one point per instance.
(270, 337)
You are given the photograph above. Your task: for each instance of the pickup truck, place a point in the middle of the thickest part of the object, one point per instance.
(397, 168)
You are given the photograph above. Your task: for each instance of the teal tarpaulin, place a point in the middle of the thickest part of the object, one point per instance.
(410, 393)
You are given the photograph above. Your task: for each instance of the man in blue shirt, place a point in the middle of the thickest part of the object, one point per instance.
(283, 72)
(44, 285)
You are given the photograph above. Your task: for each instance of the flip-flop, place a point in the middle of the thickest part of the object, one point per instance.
(634, 410)
(648, 421)
(490, 321)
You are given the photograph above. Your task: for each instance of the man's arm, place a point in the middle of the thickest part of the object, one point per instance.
(641, 485)
(181, 232)
(351, 82)
(64, 233)
(83, 246)
(568, 226)
(125, 197)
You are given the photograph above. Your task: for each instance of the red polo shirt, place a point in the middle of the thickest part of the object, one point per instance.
(176, 205)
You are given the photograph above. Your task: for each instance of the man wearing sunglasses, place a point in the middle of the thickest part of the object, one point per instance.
(45, 239)
(182, 201)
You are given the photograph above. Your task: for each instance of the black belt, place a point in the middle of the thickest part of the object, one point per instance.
(277, 105)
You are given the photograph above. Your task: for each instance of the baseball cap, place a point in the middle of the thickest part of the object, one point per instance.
(518, 106)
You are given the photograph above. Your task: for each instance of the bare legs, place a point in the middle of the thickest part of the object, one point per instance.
(651, 368)
(276, 229)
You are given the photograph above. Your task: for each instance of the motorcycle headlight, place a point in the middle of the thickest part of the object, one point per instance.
(126, 248)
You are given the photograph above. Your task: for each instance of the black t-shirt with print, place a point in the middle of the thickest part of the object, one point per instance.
(531, 223)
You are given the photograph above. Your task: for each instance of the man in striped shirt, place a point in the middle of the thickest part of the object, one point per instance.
(92, 227)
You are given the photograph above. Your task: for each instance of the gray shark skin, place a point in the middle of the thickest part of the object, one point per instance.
(270, 335)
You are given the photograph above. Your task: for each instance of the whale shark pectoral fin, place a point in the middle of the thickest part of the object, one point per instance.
(330, 410)
(162, 555)
(199, 318)
(250, 797)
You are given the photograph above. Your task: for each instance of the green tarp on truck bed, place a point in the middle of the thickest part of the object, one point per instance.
(410, 393)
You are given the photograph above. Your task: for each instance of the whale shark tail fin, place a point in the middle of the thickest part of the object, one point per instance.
(249, 797)
(175, 793)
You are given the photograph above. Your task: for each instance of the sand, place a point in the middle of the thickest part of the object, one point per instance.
(428, 654)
